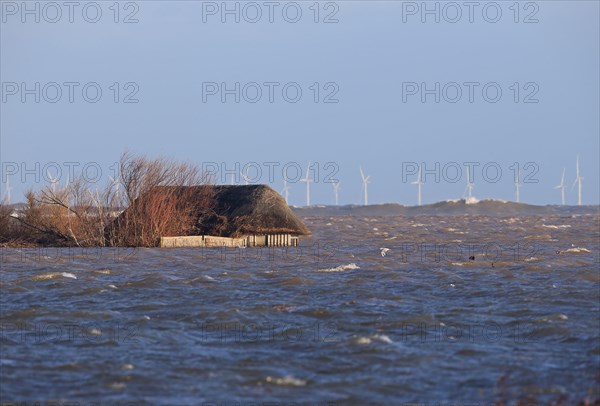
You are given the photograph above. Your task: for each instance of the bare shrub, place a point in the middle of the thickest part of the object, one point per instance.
(7, 227)
(157, 205)
(74, 214)
(82, 214)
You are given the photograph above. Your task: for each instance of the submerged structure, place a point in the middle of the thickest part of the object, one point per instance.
(224, 216)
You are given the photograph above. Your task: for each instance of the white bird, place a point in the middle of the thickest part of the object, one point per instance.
(419, 183)
(336, 192)
(307, 179)
(562, 187)
(365, 183)
(578, 180)
(384, 251)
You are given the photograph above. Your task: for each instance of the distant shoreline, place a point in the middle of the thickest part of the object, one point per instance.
(446, 208)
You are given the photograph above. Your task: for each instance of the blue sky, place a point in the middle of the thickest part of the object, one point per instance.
(369, 61)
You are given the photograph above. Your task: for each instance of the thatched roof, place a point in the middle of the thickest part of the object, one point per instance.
(237, 210)
(250, 209)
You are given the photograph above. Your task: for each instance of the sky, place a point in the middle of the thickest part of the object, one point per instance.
(493, 89)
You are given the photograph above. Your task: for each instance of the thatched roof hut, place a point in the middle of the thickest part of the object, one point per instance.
(221, 211)
(249, 209)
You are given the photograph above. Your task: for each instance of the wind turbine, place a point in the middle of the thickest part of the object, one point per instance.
(117, 184)
(53, 181)
(307, 180)
(245, 177)
(68, 189)
(336, 192)
(365, 183)
(418, 182)
(68, 196)
(562, 187)
(470, 186)
(8, 189)
(286, 190)
(518, 186)
(578, 180)
(96, 198)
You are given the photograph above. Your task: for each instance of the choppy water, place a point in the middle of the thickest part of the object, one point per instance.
(334, 322)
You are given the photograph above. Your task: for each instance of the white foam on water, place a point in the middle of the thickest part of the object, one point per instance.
(340, 268)
(552, 226)
(368, 340)
(471, 200)
(455, 231)
(577, 250)
(383, 338)
(53, 275)
(286, 381)
(531, 259)
(510, 220)
(68, 275)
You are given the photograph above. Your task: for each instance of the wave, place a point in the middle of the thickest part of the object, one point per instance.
(340, 268)
(286, 381)
(552, 226)
(577, 250)
(368, 340)
(53, 275)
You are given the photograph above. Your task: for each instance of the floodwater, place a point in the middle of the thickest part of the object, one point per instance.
(462, 308)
